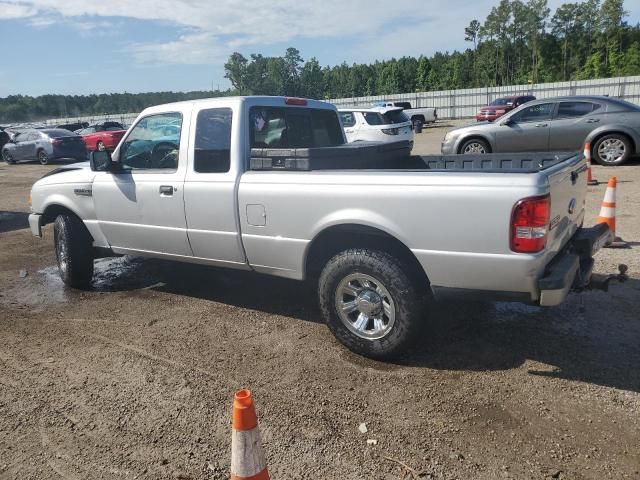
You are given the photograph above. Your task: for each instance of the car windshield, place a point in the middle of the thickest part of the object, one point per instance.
(501, 101)
(58, 132)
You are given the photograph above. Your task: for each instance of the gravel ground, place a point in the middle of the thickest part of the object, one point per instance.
(135, 378)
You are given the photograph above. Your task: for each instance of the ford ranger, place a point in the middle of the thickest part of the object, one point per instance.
(268, 184)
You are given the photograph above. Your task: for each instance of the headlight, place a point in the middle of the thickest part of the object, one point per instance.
(500, 112)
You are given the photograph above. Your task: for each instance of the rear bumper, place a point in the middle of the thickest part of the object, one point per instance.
(573, 266)
(35, 224)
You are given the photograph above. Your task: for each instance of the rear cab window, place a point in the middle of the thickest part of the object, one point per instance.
(212, 147)
(294, 127)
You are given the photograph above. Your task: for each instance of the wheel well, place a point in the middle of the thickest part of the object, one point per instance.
(338, 238)
(474, 137)
(615, 132)
(52, 211)
(419, 117)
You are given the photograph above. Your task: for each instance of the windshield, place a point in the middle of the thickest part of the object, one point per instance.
(58, 132)
(501, 101)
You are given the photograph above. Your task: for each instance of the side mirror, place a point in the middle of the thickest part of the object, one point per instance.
(507, 122)
(100, 161)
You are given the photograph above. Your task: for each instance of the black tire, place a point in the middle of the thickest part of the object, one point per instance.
(43, 158)
(606, 156)
(100, 146)
(387, 271)
(74, 251)
(476, 146)
(6, 156)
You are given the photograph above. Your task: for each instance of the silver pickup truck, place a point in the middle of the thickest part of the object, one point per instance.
(267, 184)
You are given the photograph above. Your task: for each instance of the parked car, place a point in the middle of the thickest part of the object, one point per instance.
(378, 124)
(102, 136)
(610, 125)
(44, 145)
(376, 243)
(418, 116)
(500, 106)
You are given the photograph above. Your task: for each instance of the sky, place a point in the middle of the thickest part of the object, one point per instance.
(77, 47)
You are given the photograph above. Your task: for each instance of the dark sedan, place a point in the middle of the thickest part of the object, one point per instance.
(610, 125)
(44, 145)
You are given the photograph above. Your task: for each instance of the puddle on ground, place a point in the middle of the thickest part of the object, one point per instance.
(45, 287)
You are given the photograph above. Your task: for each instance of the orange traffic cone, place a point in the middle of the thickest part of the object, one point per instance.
(587, 155)
(608, 214)
(247, 458)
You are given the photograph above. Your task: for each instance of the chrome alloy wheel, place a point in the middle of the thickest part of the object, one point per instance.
(62, 250)
(365, 306)
(611, 150)
(474, 147)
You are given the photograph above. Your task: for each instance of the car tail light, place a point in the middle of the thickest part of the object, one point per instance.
(295, 101)
(391, 131)
(55, 141)
(530, 224)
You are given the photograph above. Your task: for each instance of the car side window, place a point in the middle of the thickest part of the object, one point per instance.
(348, 119)
(212, 152)
(151, 145)
(534, 113)
(575, 109)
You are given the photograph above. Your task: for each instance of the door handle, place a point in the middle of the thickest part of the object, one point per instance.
(593, 120)
(541, 125)
(166, 190)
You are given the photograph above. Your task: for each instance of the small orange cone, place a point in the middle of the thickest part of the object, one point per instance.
(608, 214)
(247, 458)
(587, 155)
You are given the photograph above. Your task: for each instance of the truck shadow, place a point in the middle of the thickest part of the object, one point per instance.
(10, 221)
(592, 337)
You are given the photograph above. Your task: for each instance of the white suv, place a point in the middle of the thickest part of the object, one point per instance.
(376, 124)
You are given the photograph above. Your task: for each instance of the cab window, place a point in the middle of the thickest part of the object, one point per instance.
(154, 143)
(213, 141)
(294, 127)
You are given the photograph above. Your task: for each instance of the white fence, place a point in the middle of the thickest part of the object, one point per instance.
(453, 104)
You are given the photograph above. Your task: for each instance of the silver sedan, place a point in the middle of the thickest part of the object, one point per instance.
(610, 125)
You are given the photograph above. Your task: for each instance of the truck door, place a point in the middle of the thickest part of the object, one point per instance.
(527, 131)
(141, 207)
(211, 187)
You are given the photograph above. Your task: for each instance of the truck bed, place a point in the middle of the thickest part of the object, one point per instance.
(395, 156)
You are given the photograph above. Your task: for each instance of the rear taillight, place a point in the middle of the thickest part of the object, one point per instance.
(391, 131)
(530, 224)
(55, 141)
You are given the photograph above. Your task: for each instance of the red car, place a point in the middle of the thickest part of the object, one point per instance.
(102, 136)
(500, 106)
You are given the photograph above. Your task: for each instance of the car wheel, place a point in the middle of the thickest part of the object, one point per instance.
(369, 302)
(612, 150)
(475, 146)
(74, 251)
(43, 158)
(100, 146)
(6, 156)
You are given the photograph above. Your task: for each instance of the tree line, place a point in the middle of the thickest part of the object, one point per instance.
(519, 42)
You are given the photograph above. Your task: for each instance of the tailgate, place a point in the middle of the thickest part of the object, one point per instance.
(568, 189)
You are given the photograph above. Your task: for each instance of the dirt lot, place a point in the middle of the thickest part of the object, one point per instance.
(134, 379)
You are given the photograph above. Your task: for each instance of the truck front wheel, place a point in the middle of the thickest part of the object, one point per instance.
(369, 303)
(74, 252)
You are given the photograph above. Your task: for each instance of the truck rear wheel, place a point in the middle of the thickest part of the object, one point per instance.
(74, 252)
(369, 303)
